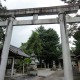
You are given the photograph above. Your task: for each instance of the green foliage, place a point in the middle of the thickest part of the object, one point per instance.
(32, 45)
(23, 47)
(20, 62)
(49, 38)
(77, 42)
(72, 28)
(27, 60)
(71, 1)
(44, 43)
(2, 29)
(77, 34)
(2, 36)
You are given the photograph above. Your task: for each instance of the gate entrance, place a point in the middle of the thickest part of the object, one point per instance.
(62, 19)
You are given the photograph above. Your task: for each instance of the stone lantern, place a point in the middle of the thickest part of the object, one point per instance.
(54, 66)
(33, 65)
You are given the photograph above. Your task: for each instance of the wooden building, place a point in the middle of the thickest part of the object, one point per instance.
(14, 54)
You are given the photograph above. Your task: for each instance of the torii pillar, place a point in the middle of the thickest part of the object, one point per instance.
(5, 51)
(68, 75)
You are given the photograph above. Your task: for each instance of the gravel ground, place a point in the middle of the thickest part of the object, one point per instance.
(26, 78)
(58, 75)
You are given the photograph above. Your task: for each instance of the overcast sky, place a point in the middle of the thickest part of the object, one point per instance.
(22, 33)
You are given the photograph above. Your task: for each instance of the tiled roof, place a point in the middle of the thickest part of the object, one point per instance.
(17, 51)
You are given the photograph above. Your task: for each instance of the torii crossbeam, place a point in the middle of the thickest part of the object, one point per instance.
(40, 11)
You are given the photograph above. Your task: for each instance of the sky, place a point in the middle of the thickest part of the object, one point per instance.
(22, 33)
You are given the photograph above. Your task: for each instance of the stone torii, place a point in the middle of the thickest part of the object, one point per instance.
(61, 11)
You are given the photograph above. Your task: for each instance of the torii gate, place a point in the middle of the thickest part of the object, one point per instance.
(61, 11)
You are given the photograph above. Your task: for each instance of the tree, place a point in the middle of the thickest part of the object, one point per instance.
(2, 29)
(23, 47)
(74, 31)
(50, 40)
(77, 42)
(72, 28)
(33, 44)
(71, 1)
(44, 43)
